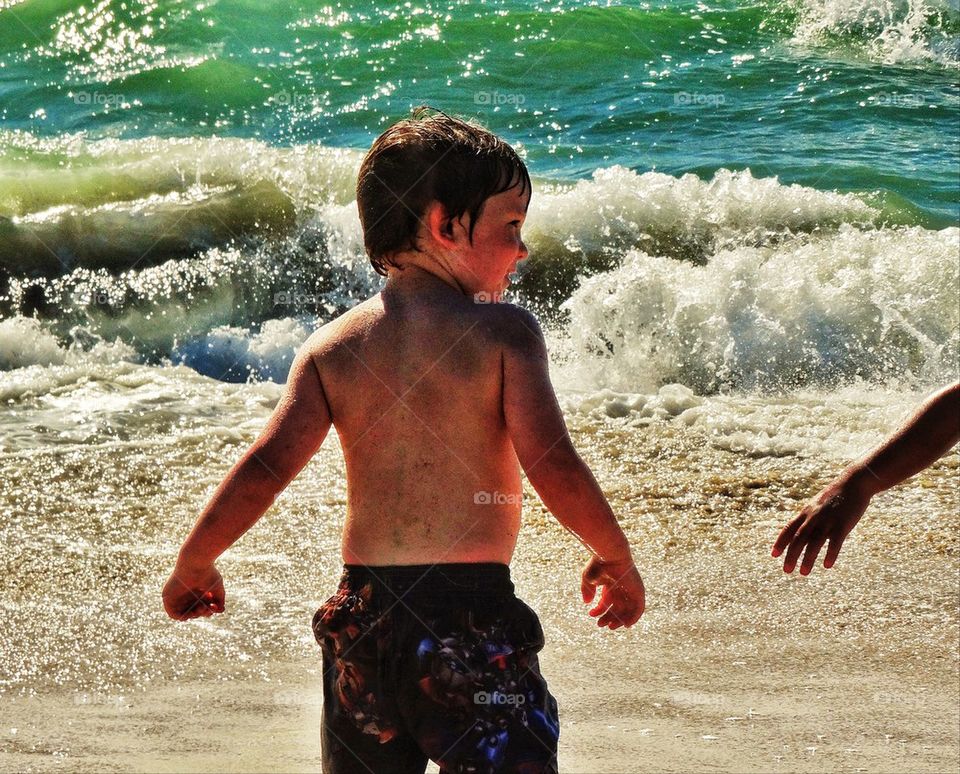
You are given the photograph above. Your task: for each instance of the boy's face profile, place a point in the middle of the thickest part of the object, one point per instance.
(497, 247)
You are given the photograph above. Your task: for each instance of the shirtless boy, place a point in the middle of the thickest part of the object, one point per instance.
(439, 394)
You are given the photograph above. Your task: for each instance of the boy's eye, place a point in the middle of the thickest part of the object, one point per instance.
(514, 222)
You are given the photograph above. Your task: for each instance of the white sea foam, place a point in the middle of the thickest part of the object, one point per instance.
(892, 32)
(619, 208)
(838, 425)
(26, 342)
(736, 282)
(824, 310)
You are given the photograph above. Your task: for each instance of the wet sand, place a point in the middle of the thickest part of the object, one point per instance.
(735, 667)
(663, 712)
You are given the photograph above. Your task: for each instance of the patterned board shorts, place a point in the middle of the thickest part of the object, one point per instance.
(433, 661)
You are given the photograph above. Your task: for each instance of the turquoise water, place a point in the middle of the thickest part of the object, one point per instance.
(176, 179)
(834, 95)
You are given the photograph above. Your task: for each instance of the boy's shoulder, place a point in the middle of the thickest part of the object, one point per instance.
(500, 323)
(338, 331)
(516, 328)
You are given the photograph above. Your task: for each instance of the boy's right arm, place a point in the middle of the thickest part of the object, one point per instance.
(561, 478)
(293, 434)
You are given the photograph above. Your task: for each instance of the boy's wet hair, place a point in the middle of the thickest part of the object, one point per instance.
(429, 157)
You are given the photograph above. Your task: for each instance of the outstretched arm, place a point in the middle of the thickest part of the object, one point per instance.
(562, 479)
(922, 440)
(291, 437)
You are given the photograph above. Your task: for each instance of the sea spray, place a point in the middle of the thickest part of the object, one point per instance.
(816, 310)
(892, 32)
(667, 270)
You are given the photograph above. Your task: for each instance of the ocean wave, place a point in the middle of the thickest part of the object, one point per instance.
(577, 230)
(892, 32)
(651, 242)
(36, 361)
(821, 310)
(171, 309)
(117, 204)
(71, 202)
(236, 354)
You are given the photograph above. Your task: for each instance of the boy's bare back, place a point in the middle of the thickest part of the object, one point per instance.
(413, 379)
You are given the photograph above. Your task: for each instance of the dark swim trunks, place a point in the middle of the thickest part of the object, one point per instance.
(433, 661)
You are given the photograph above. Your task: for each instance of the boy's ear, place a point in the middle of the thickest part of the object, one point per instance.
(439, 224)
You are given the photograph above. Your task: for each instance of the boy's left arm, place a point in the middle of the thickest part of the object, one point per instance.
(291, 437)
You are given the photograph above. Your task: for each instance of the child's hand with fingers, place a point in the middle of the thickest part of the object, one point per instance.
(831, 516)
(193, 592)
(921, 441)
(622, 596)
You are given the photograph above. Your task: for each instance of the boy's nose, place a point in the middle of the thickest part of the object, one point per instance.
(523, 251)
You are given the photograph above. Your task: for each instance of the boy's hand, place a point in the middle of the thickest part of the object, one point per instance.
(622, 599)
(831, 516)
(193, 593)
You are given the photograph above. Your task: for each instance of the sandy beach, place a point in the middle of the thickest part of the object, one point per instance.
(735, 667)
(725, 718)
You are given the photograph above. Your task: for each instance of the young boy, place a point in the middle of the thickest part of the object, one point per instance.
(436, 394)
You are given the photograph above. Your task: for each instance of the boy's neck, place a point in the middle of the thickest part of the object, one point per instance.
(415, 270)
